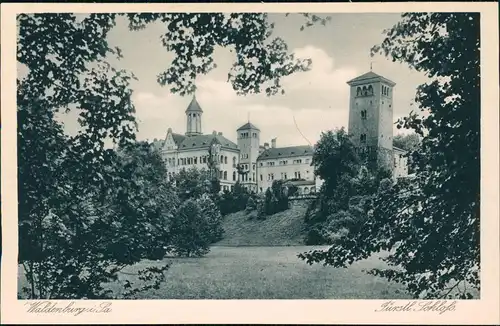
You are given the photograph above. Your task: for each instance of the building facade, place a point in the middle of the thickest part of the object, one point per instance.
(256, 166)
(289, 164)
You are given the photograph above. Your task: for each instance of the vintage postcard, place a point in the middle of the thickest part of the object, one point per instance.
(250, 163)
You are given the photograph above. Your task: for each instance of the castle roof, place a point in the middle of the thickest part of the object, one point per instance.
(194, 106)
(246, 126)
(282, 152)
(178, 138)
(369, 76)
(202, 141)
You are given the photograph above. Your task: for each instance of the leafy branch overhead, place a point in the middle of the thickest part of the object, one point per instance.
(261, 61)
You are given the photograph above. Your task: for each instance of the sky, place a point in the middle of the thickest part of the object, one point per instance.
(318, 100)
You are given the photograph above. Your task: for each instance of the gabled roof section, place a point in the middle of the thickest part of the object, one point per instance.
(178, 138)
(202, 141)
(194, 106)
(369, 77)
(285, 152)
(248, 126)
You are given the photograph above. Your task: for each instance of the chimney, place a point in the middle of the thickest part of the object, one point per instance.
(214, 133)
(273, 143)
(266, 146)
(220, 133)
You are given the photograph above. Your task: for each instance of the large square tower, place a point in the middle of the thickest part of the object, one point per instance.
(371, 118)
(248, 144)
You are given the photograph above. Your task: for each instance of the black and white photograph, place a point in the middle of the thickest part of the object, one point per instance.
(249, 155)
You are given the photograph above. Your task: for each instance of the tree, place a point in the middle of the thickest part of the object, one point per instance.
(92, 238)
(60, 177)
(211, 213)
(334, 157)
(336, 162)
(431, 224)
(190, 230)
(192, 183)
(276, 198)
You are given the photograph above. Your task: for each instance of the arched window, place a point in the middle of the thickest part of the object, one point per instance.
(364, 90)
(358, 91)
(363, 114)
(362, 138)
(225, 159)
(370, 90)
(234, 161)
(313, 190)
(222, 159)
(225, 175)
(306, 190)
(234, 176)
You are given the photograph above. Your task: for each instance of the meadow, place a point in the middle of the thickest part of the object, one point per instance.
(265, 273)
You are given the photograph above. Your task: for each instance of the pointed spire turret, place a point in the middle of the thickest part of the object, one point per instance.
(194, 106)
(193, 115)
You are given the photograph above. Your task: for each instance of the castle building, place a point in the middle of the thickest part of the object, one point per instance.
(195, 149)
(256, 166)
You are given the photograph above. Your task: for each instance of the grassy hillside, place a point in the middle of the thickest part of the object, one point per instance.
(281, 229)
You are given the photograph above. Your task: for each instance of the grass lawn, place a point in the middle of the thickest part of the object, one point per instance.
(265, 273)
(262, 273)
(281, 229)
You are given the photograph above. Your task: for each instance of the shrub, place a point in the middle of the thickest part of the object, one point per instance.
(211, 213)
(190, 231)
(251, 205)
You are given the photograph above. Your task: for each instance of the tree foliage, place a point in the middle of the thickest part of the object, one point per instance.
(235, 200)
(431, 224)
(275, 200)
(190, 230)
(192, 183)
(261, 61)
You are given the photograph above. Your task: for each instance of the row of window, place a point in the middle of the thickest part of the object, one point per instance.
(245, 177)
(285, 162)
(195, 159)
(385, 90)
(247, 135)
(365, 91)
(284, 176)
(368, 90)
(246, 167)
